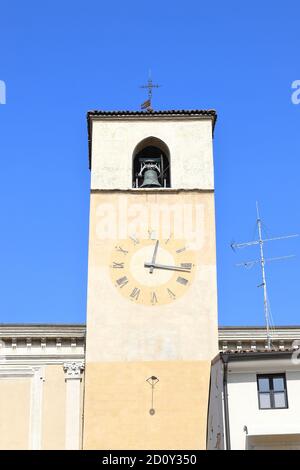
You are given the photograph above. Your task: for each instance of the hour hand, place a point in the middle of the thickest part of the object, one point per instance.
(154, 256)
(165, 266)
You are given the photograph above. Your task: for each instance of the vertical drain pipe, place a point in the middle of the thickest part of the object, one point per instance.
(226, 409)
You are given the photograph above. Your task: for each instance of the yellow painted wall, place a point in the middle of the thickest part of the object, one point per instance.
(118, 399)
(14, 413)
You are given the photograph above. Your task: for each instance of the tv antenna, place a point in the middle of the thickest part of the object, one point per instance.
(262, 262)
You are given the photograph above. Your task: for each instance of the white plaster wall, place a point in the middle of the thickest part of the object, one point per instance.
(189, 141)
(244, 410)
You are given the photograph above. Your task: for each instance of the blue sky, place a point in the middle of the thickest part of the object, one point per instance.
(60, 59)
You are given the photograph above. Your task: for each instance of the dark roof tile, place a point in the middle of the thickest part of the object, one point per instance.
(201, 112)
(255, 351)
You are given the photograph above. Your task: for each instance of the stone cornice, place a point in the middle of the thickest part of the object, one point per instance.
(29, 339)
(30, 330)
(39, 359)
(258, 333)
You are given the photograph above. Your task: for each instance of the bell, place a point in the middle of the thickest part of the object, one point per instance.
(150, 179)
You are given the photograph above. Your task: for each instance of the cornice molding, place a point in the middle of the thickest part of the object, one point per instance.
(42, 331)
(258, 333)
(28, 359)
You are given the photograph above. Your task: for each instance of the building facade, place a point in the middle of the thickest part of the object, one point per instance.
(254, 400)
(42, 385)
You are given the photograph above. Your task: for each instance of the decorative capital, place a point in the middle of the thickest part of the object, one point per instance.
(73, 370)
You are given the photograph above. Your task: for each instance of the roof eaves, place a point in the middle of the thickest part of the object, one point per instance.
(248, 355)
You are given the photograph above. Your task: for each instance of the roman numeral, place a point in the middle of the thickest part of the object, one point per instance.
(182, 280)
(180, 250)
(135, 240)
(151, 235)
(167, 241)
(135, 293)
(153, 298)
(186, 265)
(119, 248)
(171, 294)
(118, 265)
(122, 281)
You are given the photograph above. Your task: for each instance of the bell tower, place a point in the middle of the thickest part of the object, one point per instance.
(152, 296)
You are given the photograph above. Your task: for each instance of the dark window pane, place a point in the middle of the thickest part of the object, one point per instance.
(263, 384)
(264, 400)
(278, 383)
(272, 391)
(279, 400)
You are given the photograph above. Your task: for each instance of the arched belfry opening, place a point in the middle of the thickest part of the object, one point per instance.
(151, 164)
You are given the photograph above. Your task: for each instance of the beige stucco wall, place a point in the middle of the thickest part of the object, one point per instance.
(117, 328)
(188, 139)
(118, 399)
(38, 402)
(127, 342)
(15, 413)
(54, 408)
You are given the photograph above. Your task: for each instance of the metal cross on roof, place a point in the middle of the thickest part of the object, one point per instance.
(150, 85)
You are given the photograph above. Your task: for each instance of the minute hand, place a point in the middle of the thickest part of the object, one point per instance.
(164, 266)
(154, 256)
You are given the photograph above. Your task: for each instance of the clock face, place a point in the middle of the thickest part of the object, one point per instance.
(152, 271)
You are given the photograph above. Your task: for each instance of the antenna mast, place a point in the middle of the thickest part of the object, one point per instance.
(262, 261)
(264, 281)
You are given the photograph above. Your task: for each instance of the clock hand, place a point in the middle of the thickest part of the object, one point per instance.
(164, 266)
(154, 257)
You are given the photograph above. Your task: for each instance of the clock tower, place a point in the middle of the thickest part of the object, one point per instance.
(152, 296)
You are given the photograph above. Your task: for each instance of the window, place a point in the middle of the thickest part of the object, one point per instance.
(272, 392)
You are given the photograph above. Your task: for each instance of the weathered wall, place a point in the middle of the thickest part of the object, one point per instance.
(215, 422)
(188, 139)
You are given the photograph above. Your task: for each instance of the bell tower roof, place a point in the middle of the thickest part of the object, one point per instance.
(202, 112)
